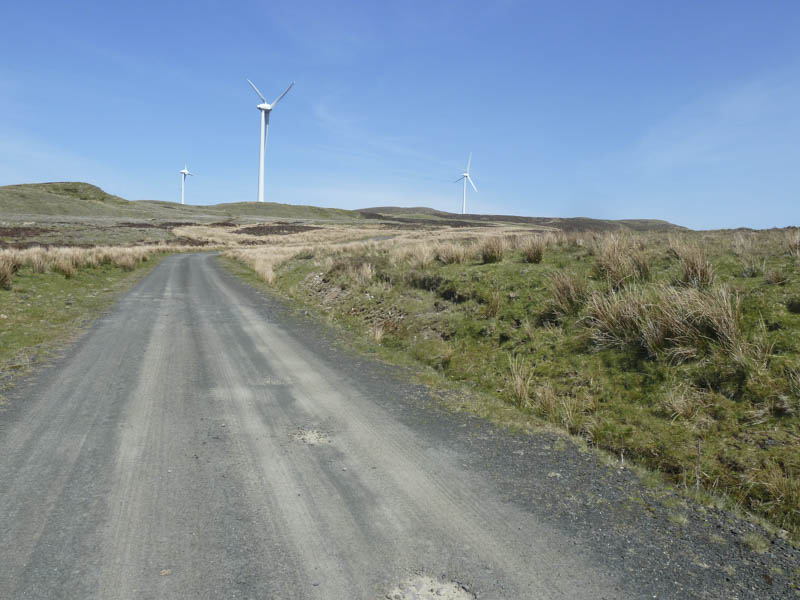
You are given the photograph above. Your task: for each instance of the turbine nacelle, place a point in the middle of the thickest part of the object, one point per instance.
(264, 106)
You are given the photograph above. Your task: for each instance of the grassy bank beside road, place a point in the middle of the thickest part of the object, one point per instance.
(677, 352)
(44, 303)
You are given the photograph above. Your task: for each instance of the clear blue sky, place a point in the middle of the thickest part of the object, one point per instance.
(685, 111)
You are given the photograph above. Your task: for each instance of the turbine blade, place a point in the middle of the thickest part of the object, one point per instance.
(260, 95)
(278, 99)
(471, 183)
(459, 179)
(469, 160)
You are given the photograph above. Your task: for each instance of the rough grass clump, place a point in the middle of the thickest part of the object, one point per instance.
(533, 249)
(451, 253)
(361, 273)
(619, 262)
(127, 262)
(569, 292)
(8, 266)
(492, 249)
(573, 412)
(744, 247)
(418, 255)
(493, 302)
(776, 277)
(519, 380)
(696, 270)
(679, 321)
(64, 262)
(682, 400)
(793, 243)
(263, 268)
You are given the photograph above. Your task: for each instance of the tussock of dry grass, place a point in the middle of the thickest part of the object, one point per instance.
(569, 291)
(519, 380)
(682, 400)
(662, 318)
(492, 249)
(696, 270)
(7, 269)
(572, 412)
(533, 248)
(619, 262)
(451, 253)
(793, 243)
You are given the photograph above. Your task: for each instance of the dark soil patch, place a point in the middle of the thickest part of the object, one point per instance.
(428, 222)
(275, 229)
(185, 241)
(223, 224)
(171, 224)
(21, 232)
(139, 225)
(25, 245)
(793, 305)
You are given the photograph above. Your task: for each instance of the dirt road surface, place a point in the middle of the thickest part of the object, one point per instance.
(199, 442)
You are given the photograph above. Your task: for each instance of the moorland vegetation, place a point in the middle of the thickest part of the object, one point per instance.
(676, 350)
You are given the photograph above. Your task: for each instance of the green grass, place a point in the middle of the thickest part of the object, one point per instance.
(44, 310)
(706, 401)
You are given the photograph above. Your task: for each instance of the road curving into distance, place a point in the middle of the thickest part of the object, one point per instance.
(199, 442)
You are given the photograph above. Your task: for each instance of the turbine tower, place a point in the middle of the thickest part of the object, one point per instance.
(465, 176)
(265, 110)
(184, 172)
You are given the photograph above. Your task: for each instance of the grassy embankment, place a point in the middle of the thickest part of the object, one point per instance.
(46, 296)
(679, 352)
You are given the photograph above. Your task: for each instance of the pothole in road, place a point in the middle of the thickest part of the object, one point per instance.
(312, 437)
(422, 587)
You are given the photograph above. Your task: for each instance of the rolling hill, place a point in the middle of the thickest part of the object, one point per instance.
(83, 200)
(423, 215)
(78, 200)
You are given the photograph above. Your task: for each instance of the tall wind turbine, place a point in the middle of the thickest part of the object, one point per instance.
(184, 172)
(465, 176)
(265, 110)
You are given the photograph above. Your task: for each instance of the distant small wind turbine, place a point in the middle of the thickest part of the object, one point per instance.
(184, 172)
(265, 110)
(465, 176)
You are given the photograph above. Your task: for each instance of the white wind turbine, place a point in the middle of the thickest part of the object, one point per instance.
(184, 172)
(265, 110)
(465, 176)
